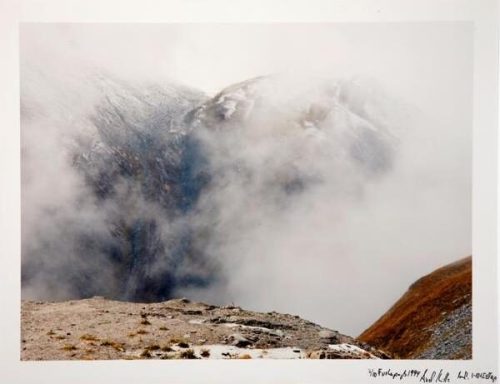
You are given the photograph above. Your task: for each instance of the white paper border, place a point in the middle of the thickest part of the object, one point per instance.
(484, 15)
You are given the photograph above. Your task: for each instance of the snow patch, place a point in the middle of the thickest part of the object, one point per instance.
(276, 332)
(350, 349)
(219, 351)
(196, 321)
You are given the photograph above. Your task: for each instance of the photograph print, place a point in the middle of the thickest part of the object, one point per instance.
(246, 191)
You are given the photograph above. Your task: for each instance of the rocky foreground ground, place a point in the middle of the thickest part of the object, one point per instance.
(432, 320)
(177, 329)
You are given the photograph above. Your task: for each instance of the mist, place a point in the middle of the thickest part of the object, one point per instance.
(310, 169)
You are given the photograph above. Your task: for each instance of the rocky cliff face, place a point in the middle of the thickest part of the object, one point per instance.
(432, 320)
(176, 329)
(145, 169)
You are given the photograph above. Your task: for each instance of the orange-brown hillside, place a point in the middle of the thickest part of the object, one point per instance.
(432, 319)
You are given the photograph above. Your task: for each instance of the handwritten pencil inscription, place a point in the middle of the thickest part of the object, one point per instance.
(433, 376)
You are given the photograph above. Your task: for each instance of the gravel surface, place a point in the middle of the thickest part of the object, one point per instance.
(97, 329)
(452, 338)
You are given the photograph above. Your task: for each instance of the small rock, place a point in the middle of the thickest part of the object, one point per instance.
(193, 312)
(326, 334)
(239, 340)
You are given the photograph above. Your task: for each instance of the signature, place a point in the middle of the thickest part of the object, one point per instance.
(433, 376)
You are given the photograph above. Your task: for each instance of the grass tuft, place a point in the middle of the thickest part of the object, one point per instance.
(187, 354)
(153, 347)
(167, 348)
(69, 347)
(88, 337)
(117, 346)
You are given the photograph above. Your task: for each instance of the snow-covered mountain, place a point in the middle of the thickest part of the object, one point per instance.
(163, 171)
(350, 116)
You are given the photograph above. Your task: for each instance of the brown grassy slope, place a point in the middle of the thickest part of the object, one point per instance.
(405, 329)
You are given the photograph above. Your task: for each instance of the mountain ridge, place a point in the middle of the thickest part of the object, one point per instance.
(144, 163)
(435, 311)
